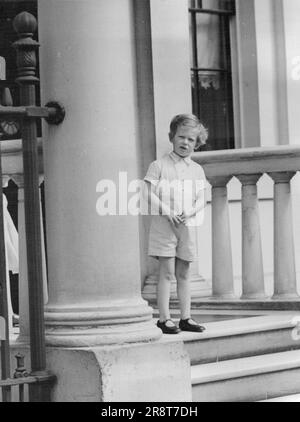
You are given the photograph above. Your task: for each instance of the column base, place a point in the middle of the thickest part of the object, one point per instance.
(254, 296)
(224, 297)
(200, 288)
(286, 296)
(116, 322)
(153, 372)
(137, 372)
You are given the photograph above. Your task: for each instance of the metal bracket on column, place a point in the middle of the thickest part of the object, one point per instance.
(56, 113)
(53, 112)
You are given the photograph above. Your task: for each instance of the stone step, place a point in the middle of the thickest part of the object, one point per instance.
(238, 338)
(293, 398)
(266, 304)
(253, 378)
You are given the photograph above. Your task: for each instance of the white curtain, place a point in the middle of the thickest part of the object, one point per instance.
(2, 68)
(208, 45)
(11, 254)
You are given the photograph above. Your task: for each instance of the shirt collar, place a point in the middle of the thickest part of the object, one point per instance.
(176, 158)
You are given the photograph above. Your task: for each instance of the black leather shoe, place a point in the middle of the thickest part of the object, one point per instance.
(185, 325)
(168, 330)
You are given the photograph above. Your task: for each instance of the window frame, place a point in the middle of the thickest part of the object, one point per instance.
(228, 68)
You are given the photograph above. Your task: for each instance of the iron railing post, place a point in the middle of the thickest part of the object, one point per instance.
(25, 25)
(5, 349)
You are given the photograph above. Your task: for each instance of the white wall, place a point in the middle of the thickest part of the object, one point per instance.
(171, 66)
(291, 14)
(278, 60)
(267, 72)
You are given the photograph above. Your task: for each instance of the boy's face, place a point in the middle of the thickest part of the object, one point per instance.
(185, 140)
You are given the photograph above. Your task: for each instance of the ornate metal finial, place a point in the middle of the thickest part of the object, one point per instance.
(25, 25)
(20, 371)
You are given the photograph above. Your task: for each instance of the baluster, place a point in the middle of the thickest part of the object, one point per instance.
(285, 285)
(222, 272)
(252, 263)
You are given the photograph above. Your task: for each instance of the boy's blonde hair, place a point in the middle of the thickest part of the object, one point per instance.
(189, 120)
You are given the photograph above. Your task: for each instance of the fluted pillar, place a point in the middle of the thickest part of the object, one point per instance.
(285, 284)
(252, 263)
(93, 259)
(222, 271)
(101, 330)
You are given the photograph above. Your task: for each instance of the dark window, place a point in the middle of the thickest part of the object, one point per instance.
(211, 69)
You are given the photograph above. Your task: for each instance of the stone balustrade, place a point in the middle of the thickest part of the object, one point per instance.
(248, 165)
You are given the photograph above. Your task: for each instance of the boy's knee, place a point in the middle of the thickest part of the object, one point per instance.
(167, 269)
(182, 277)
(182, 272)
(167, 275)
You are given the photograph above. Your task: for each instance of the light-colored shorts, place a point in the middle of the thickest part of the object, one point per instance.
(165, 241)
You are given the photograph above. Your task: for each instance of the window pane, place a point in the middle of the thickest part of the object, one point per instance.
(211, 73)
(212, 4)
(213, 99)
(208, 41)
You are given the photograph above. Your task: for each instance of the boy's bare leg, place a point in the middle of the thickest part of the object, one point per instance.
(166, 275)
(182, 273)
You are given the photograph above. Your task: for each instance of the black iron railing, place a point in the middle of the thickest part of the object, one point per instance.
(39, 379)
(22, 380)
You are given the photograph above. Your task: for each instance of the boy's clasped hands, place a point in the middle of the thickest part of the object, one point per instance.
(176, 219)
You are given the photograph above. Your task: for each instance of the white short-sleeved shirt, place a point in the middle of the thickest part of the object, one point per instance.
(179, 182)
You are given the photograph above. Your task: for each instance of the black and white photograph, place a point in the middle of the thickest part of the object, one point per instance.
(150, 204)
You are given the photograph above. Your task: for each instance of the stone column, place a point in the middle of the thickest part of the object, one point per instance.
(222, 272)
(100, 329)
(252, 263)
(93, 260)
(285, 284)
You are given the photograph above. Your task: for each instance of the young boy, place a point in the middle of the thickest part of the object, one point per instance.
(175, 187)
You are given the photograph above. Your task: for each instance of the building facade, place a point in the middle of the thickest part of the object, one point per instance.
(123, 69)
